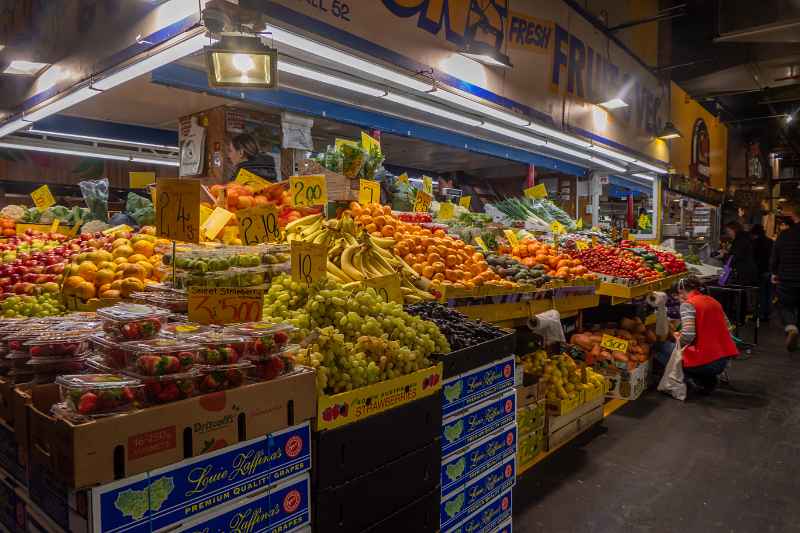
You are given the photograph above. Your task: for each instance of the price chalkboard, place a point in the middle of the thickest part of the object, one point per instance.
(387, 287)
(369, 192)
(258, 225)
(309, 262)
(615, 344)
(43, 198)
(308, 190)
(225, 305)
(178, 209)
(422, 202)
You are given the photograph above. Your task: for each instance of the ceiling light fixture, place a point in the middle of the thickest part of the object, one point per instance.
(15, 125)
(19, 67)
(648, 166)
(60, 103)
(433, 110)
(41, 146)
(613, 103)
(529, 139)
(102, 140)
(611, 153)
(477, 107)
(644, 176)
(485, 54)
(544, 130)
(242, 61)
(669, 131)
(316, 75)
(608, 164)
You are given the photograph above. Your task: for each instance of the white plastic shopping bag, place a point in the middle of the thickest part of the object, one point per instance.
(672, 381)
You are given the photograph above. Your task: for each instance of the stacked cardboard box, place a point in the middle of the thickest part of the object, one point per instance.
(479, 441)
(531, 422)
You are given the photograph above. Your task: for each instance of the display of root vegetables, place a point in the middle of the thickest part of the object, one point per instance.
(640, 340)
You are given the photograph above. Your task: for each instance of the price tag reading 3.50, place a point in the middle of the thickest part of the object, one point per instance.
(615, 344)
(308, 190)
(178, 209)
(309, 262)
(225, 305)
(258, 225)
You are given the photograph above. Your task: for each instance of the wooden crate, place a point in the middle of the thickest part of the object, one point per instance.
(340, 188)
(562, 428)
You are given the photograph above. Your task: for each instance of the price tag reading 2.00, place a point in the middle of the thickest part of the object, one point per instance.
(258, 225)
(177, 209)
(309, 262)
(225, 305)
(308, 190)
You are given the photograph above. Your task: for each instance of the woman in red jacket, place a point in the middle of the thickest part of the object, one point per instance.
(704, 336)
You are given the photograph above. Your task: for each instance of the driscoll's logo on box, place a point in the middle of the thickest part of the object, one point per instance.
(213, 425)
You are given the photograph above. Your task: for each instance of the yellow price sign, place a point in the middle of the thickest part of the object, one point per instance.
(594, 241)
(422, 202)
(225, 305)
(205, 212)
(216, 221)
(369, 192)
(511, 236)
(387, 287)
(258, 225)
(465, 201)
(308, 190)
(579, 223)
(615, 344)
(557, 227)
(481, 244)
(116, 229)
(54, 225)
(446, 210)
(582, 245)
(309, 262)
(342, 142)
(43, 198)
(368, 141)
(177, 209)
(140, 180)
(427, 185)
(245, 177)
(537, 191)
(403, 178)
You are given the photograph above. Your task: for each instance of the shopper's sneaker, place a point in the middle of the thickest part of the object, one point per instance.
(792, 338)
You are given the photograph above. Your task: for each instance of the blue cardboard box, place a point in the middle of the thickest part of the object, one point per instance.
(473, 423)
(281, 509)
(505, 527)
(477, 492)
(167, 496)
(471, 387)
(472, 461)
(488, 518)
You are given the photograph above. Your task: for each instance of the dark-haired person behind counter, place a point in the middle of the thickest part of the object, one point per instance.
(245, 153)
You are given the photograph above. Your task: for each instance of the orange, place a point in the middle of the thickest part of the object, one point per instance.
(120, 260)
(438, 266)
(387, 231)
(131, 285)
(133, 270)
(122, 251)
(85, 290)
(144, 248)
(87, 270)
(135, 258)
(428, 272)
(147, 267)
(370, 228)
(72, 282)
(419, 268)
(104, 276)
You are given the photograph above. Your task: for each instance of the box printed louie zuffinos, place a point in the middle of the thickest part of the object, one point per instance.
(472, 461)
(477, 492)
(471, 387)
(475, 422)
(489, 518)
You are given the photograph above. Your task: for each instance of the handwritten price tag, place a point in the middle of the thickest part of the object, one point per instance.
(308, 190)
(446, 211)
(579, 223)
(140, 180)
(582, 245)
(557, 227)
(216, 221)
(177, 209)
(403, 178)
(427, 184)
(422, 202)
(342, 142)
(54, 225)
(615, 344)
(387, 287)
(537, 191)
(465, 201)
(367, 141)
(245, 177)
(369, 192)
(481, 244)
(42, 197)
(309, 262)
(225, 305)
(258, 225)
(511, 236)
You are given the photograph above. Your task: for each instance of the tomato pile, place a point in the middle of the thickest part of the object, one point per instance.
(671, 263)
(616, 262)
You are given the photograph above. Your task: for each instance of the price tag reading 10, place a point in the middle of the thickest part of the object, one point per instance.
(308, 190)
(178, 209)
(309, 262)
(614, 344)
(258, 225)
(387, 287)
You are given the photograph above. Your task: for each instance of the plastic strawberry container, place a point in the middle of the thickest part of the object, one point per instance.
(162, 356)
(47, 370)
(173, 301)
(220, 347)
(267, 367)
(58, 344)
(221, 377)
(184, 330)
(129, 322)
(98, 394)
(265, 338)
(158, 390)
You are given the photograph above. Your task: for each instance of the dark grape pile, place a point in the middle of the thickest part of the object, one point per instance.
(460, 331)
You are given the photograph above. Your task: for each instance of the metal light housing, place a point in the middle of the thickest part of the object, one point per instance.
(669, 131)
(486, 54)
(242, 61)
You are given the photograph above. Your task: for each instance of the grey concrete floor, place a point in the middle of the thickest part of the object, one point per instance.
(727, 462)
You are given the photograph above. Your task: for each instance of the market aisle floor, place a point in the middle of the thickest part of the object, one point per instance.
(728, 462)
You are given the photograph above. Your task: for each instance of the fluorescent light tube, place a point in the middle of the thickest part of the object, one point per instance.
(87, 153)
(614, 103)
(648, 166)
(644, 176)
(550, 132)
(611, 153)
(102, 139)
(568, 151)
(433, 110)
(351, 61)
(19, 67)
(60, 104)
(512, 134)
(480, 108)
(322, 77)
(163, 57)
(14, 125)
(608, 164)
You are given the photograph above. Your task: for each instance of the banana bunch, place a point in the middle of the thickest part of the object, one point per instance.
(314, 228)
